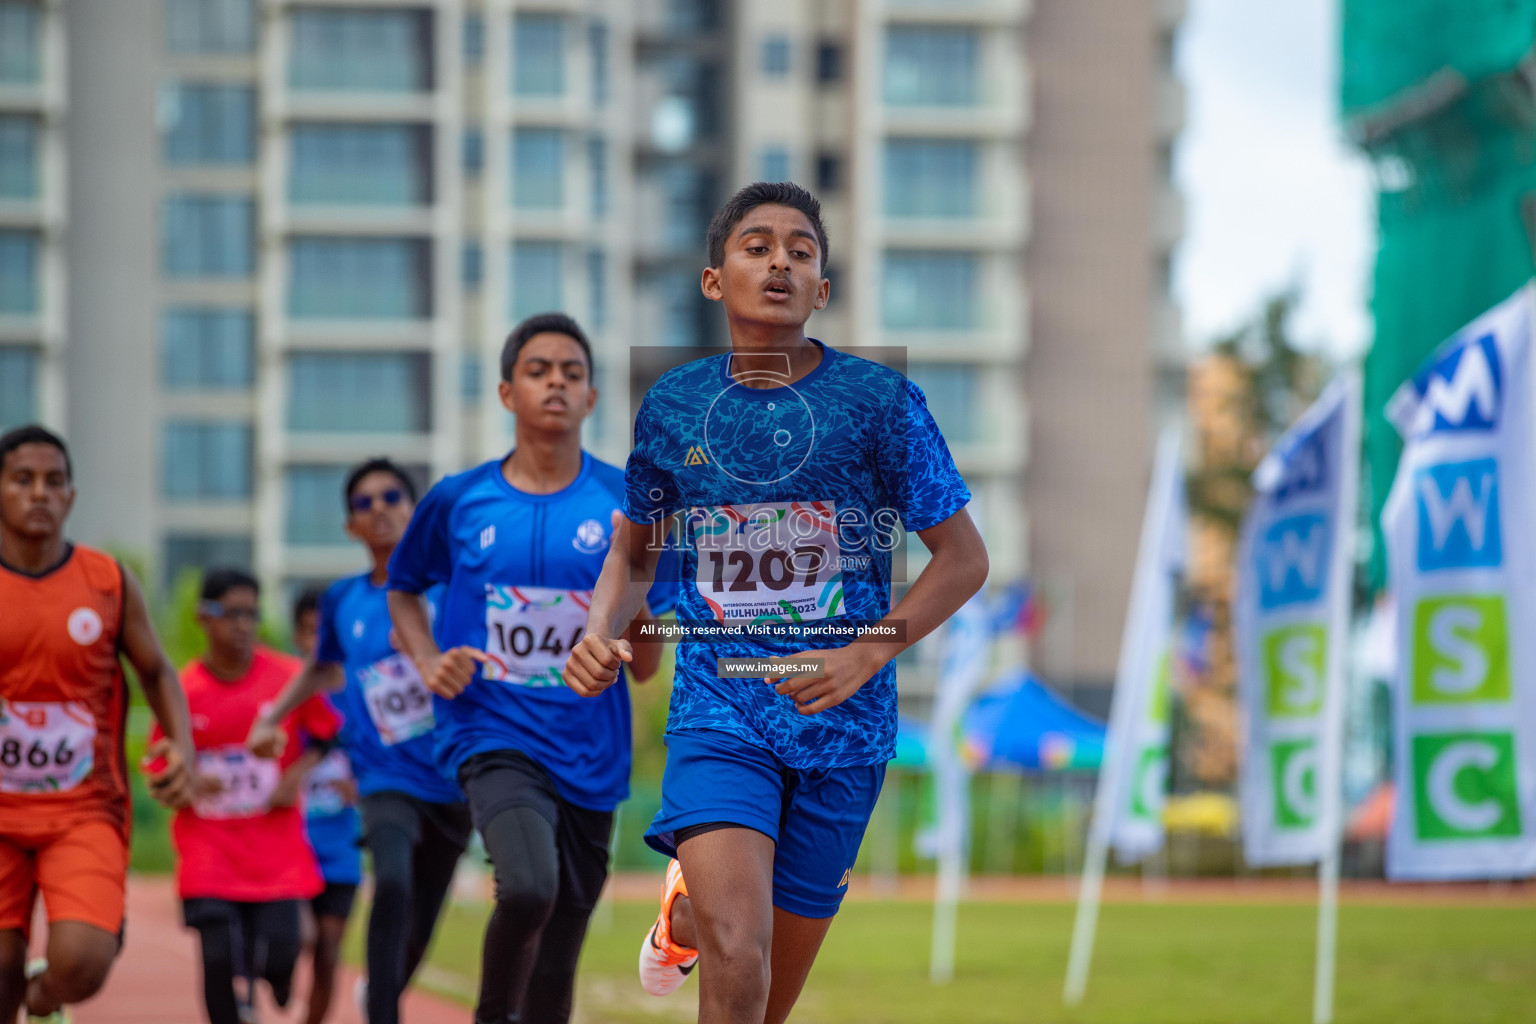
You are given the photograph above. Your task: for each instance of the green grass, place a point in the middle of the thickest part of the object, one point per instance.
(1155, 964)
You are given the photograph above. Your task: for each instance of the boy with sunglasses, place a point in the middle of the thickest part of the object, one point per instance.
(415, 824)
(517, 544)
(243, 864)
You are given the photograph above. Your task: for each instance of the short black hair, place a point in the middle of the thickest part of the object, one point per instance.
(376, 465)
(218, 582)
(32, 433)
(542, 323)
(763, 193)
(308, 601)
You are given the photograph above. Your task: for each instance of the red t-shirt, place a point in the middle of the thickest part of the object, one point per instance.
(234, 845)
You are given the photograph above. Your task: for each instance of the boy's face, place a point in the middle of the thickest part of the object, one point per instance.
(230, 623)
(772, 269)
(551, 388)
(306, 632)
(35, 491)
(379, 509)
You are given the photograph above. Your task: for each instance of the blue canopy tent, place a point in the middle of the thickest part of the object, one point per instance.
(1020, 723)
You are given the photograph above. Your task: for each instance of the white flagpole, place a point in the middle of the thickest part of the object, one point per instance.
(1110, 789)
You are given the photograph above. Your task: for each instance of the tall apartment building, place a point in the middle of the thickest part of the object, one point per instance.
(296, 232)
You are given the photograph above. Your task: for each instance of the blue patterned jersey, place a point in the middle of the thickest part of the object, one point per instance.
(387, 711)
(517, 571)
(791, 501)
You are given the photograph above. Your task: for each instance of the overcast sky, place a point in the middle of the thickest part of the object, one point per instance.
(1273, 193)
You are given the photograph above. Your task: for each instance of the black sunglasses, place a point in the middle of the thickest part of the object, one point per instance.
(217, 610)
(364, 502)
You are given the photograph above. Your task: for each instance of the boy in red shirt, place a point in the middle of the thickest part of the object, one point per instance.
(243, 863)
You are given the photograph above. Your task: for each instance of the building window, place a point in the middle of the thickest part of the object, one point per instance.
(18, 272)
(474, 38)
(360, 278)
(196, 553)
(360, 392)
(18, 386)
(930, 66)
(20, 60)
(207, 460)
(926, 291)
(597, 289)
(207, 235)
(829, 172)
(597, 167)
(930, 178)
(776, 56)
(773, 163)
(469, 377)
(538, 55)
(207, 349)
(472, 265)
(474, 152)
(18, 156)
(684, 189)
(367, 50)
(208, 124)
(953, 398)
(315, 514)
(537, 278)
(597, 53)
(361, 164)
(829, 63)
(211, 26)
(538, 169)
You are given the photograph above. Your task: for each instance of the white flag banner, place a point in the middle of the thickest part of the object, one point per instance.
(1139, 714)
(1291, 624)
(1462, 568)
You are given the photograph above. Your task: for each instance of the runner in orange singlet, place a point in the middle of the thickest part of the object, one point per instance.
(66, 615)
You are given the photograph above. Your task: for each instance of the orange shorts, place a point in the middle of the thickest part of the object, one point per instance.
(81, 870)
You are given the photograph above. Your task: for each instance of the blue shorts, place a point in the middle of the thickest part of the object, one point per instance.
(816, 816)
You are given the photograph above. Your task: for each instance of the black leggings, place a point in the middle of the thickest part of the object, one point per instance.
(550, 859)
(255, 940)
(415, 846)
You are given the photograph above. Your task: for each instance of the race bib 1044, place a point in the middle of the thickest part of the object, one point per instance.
(773, 562)
(245, 783)
(398, 701)
(529, 632)
(45, 747)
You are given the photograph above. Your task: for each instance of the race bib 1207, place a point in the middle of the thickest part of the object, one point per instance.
(398, 701)
(529, 632)
(245, 783)
(772, 562)
(45, 747)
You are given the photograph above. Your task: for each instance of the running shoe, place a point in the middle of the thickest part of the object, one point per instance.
(664, 966)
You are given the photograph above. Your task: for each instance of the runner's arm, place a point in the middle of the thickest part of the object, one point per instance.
(628, 572)
(287, 792)
(172, 785)
(647, 655)
(445, 673)
(266, 736)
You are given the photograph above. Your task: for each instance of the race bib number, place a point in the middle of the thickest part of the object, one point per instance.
(325, 786)
(45, 747)
(530, 632)
(246, 783)
(398, 701)
(774, 562)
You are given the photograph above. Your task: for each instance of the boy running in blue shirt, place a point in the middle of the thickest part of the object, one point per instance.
(794, 468)
(517, 544)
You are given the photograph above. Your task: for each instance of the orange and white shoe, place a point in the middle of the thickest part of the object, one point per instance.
(664, 965)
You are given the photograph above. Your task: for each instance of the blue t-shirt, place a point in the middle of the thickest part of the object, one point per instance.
(793, 499)
(331, 824)
(387, 712)
(518, 571)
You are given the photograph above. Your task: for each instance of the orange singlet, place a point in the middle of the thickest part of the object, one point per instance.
(64, 814)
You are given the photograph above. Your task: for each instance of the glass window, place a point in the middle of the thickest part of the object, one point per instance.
(930, 66)
(474, 152)
(359, 392)
(371, 50)
(597, 288)
(926, 291)
(472, 265)
(683, 189)
(209, 123)
(360, 278)
(829, 63)
(930, 178)
(776, 56)
(537, 272)
(205, 235)
(18, 272)
(474, 38)
(597, 167)
(953, 398)
(18, 386)
(18, 156)
(597, 53)
(207, 349)
(211, 26)
(538, 169)
(538, 55)
(20, 58)
(773, 163)
(829, 173)
(199, 552)
(361, 164)
(469, 377)
(315, 514)
(206, 460)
